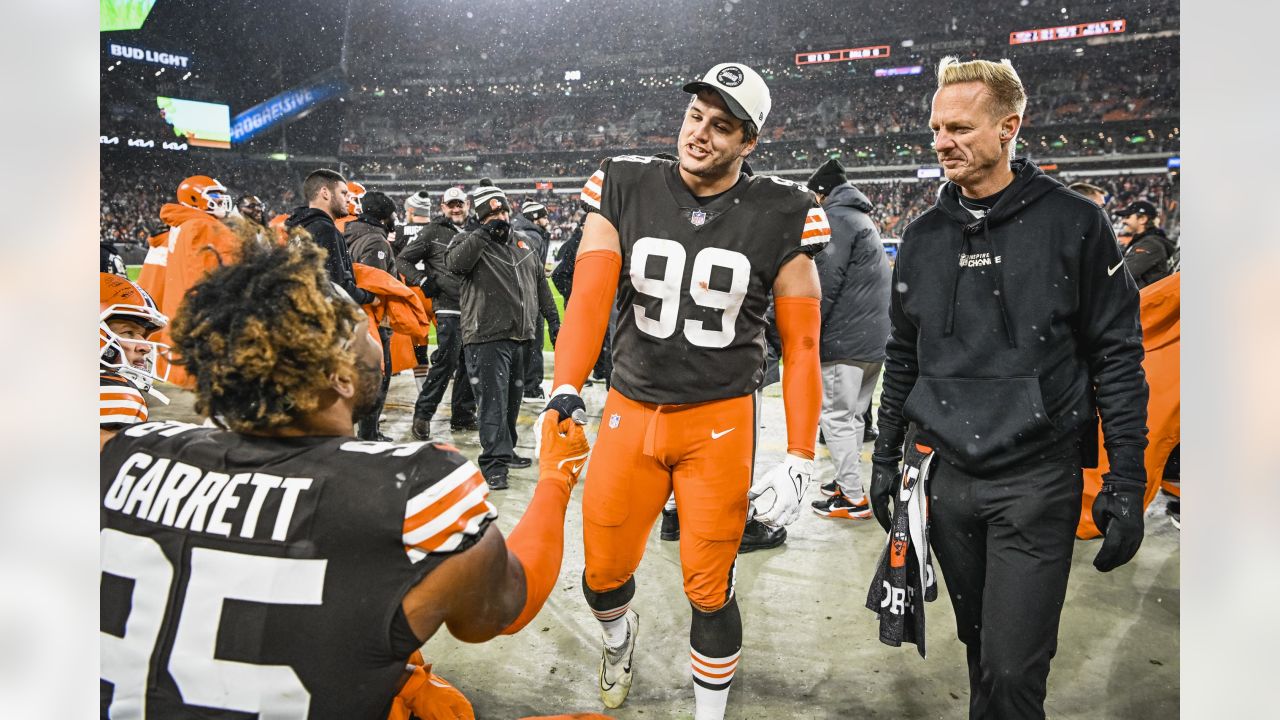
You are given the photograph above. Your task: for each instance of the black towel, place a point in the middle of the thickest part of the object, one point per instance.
(905, 574)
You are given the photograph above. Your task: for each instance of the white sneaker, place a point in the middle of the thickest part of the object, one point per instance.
(615, 666)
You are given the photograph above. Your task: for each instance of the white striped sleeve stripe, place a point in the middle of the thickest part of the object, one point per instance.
(816, 228)
(128, 404)
(419, 502)
(452, 542)
(128, 418)
(449, 516)
(592, 189)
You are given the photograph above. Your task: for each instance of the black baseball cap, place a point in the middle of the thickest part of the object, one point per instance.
(1140, 207)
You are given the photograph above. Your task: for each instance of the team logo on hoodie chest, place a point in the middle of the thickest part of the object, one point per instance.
(981, 259)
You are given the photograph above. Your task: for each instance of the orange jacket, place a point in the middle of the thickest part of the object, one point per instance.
(197, 243)
(1161, 340)
(151, 277)
(402, 309)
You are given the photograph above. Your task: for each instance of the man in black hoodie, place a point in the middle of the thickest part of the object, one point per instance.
(1147, 254)
(1012, 330)
(326, 193)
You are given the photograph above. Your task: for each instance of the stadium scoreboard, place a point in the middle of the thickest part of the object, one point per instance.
(1067, 32)
(870, 52)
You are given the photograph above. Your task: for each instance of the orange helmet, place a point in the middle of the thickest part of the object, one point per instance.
(204, 193)
(120, 299)
(354, 206)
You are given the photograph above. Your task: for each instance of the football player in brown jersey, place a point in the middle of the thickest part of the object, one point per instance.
(277, 566)
(692, 250)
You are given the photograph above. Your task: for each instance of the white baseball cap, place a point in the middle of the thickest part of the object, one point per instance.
(454, 193)
(741, 87)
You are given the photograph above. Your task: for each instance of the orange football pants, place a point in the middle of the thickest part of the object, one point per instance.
(703, 451)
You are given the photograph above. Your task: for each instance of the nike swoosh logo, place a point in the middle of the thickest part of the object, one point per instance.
(717, 435)
(577, 467)
(1112, 271)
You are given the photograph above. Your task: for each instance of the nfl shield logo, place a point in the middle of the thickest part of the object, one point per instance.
(614, 419)
(697, 217)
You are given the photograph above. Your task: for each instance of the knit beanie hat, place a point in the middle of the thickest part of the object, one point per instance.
(488, 199)
(827, 177)
(533, 210)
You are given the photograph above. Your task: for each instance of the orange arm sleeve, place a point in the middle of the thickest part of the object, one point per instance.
(586, 319)
(800, 324)
(537, 541)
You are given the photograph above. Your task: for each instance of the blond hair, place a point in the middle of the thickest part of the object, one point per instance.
(1000, 79)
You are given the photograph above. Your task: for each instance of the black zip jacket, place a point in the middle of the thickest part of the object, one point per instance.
(325, 234)
(429, 246)
(1011, 333)
(504, 287)
(1147, 256)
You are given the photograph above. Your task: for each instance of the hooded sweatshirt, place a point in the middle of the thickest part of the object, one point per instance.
(338, 263)
(1012, 331)
(854, 272)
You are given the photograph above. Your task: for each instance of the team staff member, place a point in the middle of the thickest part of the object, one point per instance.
(1011, 332)
(1149, 249)
(366, 235)
(533, 222)
(279, 567)
(327, 195)
(700, 246)
(503, 289)
(422, 262)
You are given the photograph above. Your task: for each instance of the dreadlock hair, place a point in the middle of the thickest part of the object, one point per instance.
(263, 335)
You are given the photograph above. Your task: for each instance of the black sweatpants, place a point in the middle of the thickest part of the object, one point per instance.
(1004, 544)
(533, 357)
(447, 364)
(367, 426)
(497, 371)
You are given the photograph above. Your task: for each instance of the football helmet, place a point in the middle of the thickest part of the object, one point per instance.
(354, 204)
(120, 298)
(204, 193)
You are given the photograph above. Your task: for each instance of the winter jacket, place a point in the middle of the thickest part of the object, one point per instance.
(325, 234)
(503, 287)
(567, 256)
(197, 243)
(533, 232)
(1147, 256)
(855, 275)
(369, 246)
(1011, 332)
(429, 246)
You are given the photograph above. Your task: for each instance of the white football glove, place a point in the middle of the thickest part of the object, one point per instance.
(776, 495)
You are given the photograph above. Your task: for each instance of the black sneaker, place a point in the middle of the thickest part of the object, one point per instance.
(829, 489)
(497, 481)
(870, 434)
(840, 506)
(421, 428)
(535, 395)
(670, 525)
(469, 425)
(758, 536)
(518, 462)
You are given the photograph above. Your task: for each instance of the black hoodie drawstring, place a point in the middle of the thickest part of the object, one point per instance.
(998, 277)
(955, 284)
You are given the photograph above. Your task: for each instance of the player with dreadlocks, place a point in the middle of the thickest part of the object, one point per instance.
(342, 557)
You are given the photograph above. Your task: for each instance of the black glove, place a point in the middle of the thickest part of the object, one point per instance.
(568, 405)
(497, 229)
(885, 473)
(1117, 511)
(554, 332)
